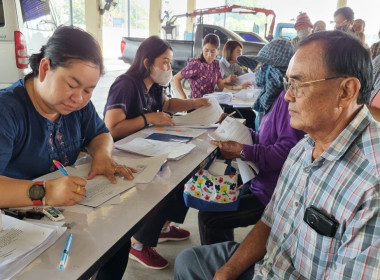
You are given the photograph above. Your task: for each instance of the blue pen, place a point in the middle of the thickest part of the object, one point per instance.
(65, 252)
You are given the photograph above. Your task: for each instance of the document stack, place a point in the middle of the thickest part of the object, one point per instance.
(21, 242)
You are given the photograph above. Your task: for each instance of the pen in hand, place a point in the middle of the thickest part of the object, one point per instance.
(60, 167)
(64, 172)
(65, 252)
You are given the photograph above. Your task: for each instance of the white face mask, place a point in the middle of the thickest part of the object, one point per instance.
(162, 77)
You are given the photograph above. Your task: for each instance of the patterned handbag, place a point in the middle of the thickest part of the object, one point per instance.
(213, 192)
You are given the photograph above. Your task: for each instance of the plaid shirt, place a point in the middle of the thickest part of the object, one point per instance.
(344, 182)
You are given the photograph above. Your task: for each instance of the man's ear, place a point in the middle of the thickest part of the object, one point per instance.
(43, 68)
(350, 88)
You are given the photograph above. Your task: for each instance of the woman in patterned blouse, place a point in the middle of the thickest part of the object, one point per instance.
(203, 73)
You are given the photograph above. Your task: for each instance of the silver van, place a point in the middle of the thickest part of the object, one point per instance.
(25, 25)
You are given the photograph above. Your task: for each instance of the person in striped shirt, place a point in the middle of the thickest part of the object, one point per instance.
(323, 221)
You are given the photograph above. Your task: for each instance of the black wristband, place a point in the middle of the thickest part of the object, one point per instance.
(146, 123)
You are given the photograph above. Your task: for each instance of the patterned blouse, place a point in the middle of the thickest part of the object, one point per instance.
(202, 77)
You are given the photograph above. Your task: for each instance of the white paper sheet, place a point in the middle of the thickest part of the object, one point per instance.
(147, 167)
(99, 189)
(233, 130)
(248, 77)
(147, 147)
(223, 97)
(21, 242)
(203, 116)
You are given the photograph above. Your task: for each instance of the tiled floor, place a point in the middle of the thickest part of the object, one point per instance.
(169, 250)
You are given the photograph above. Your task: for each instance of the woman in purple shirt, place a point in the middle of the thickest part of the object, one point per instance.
(204, 73)
(269, 151)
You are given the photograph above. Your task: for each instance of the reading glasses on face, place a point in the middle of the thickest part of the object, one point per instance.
(292, 86)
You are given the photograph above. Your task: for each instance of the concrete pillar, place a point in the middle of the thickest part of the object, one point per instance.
(191, 5)
(155, 17)
(94, 24)
(341, 3)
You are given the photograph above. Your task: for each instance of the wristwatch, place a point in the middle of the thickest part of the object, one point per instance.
(242, 155)
(37, 192)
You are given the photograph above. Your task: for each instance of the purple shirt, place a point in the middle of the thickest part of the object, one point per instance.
(129, 94)
(202, 77)
(271, 148)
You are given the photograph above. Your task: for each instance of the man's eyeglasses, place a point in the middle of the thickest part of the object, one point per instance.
(292, 86)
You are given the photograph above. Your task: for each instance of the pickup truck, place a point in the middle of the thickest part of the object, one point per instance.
(184, 50)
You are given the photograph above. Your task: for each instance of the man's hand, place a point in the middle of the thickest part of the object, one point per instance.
(228, 149)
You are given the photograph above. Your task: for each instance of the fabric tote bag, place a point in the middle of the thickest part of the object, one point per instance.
(213, 192)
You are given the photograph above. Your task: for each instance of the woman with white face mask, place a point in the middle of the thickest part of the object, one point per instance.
(135, 100)
(138, 98)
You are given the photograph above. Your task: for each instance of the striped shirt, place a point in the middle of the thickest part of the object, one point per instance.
(344, 183)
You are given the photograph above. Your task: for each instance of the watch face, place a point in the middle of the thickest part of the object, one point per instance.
(36, 192)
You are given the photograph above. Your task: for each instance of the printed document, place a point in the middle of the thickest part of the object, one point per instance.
(206, 116)
(233, 130)
(99, 189)
(147, 168)
(21, 242)
(147, 147)
(248, 77)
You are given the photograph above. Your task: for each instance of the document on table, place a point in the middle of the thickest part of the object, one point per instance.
(99, 189)
(174, 130)
(206, 116)
(147, 147)
(223, 97)
(147, 168)
(233, 130)
(21, 242)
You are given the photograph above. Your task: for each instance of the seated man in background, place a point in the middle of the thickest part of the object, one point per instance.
(303, 27)
(323, 221)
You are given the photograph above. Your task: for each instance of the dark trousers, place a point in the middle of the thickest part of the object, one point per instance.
(114, 269)
(215, 227)
(173, 210)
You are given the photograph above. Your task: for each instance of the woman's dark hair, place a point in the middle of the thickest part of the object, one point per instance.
(212, 39)
(347, 12)
(345, 55)
(229, 47)
(68, 43)
(150, 48)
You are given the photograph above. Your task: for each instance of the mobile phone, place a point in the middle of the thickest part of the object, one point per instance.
(53, 213)
(320, 221)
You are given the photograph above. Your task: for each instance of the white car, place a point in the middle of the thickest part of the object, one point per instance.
(25, 26)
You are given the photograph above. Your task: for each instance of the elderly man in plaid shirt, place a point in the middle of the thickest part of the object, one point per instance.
(323, 221)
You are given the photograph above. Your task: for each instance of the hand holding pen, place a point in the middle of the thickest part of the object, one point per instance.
(65, 190)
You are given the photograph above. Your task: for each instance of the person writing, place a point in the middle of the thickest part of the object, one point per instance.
(48, 116)
(138, 98)
(323, 221)
(204, 73)
(229, 66)
(272, 144)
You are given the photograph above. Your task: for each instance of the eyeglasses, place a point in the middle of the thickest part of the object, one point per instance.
(292, 86)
